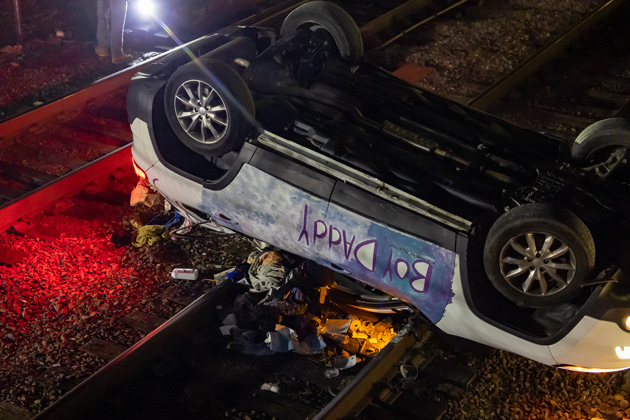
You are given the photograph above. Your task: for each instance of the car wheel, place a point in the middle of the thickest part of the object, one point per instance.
(537, 255)
(210, 108)
(335, 20)
(611, 132)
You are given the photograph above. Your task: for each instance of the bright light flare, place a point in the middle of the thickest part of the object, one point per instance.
(146, 8)
(623, 352)
(591, 370)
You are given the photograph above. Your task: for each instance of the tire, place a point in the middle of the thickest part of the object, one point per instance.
(612, 132)
(335, 20)
(520, 273)
(211, 133)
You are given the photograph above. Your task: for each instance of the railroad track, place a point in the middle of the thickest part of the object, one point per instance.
(183, 370)
(570, 82)
(590, 83)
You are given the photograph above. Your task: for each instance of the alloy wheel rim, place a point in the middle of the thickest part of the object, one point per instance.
(201, 111)
(537, 264)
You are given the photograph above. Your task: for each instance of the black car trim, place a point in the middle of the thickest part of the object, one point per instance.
(376, 208)
(201, 46)
(294, 173)
(350, 175)
(244, 156)
(140, 99)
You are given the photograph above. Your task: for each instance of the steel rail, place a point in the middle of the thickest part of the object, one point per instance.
(66, 186)
(422, 22)
(542, 57)
(389, 19)
(364, 387)
(87, 396)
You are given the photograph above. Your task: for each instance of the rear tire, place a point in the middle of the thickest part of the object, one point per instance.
(611, 132)
(335, 20)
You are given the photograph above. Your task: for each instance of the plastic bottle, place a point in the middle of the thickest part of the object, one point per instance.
(185, 273)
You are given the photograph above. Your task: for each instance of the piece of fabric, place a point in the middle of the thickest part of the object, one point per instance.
(282, 340)
(271, 257)
(246, 343)
(267, 276)
(148, 235)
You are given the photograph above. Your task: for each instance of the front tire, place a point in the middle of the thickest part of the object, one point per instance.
(209, 109)
(539, 256)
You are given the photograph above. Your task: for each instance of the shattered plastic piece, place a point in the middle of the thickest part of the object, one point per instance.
(233, 274)
(144, 194)
(313, 344)
(226, 329)
(345, 363)
(270, 387)
(336, 326)
(185, 273)
(230, 319)
(245, 342)
(331, 373)
(340, 338)
(297, 294)
(323, 291)
(177, 218)
(282, 340)
(11, 49)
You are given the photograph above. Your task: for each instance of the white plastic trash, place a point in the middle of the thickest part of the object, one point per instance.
(185, 273)
(270, 387)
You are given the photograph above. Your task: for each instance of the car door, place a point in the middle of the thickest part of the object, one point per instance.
(270, 199)
(388, 247)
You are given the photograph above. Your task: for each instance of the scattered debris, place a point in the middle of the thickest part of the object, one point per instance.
(282, 307)
(185, 273)
(148, 235)
(11, 49)
(144, 193)
(270, 387)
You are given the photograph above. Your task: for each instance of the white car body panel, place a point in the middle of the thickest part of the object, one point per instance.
(587, 344)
